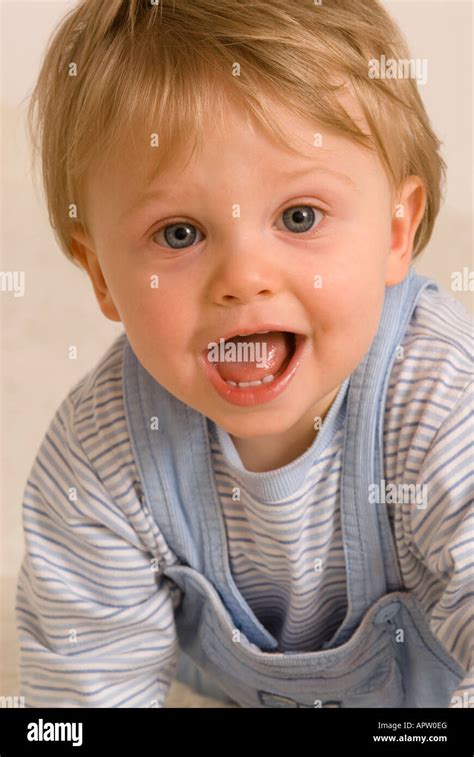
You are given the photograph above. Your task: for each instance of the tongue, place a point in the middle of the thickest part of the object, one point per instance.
(270, 350)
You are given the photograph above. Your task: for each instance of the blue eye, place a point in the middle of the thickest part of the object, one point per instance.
(300, 218)
(178, 235)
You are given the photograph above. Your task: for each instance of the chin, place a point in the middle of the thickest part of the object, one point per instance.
(253, 427)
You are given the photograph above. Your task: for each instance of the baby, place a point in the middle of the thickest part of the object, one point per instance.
(263, 489)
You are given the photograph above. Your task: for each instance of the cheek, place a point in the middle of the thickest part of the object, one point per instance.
(351, 263)
(345, 313)
(156, 320)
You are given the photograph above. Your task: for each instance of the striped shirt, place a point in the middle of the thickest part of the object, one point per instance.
(96, 625)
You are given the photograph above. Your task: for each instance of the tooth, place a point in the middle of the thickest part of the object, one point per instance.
(256, 332)
(245, 384)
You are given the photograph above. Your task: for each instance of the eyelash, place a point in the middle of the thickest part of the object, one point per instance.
(290, 207)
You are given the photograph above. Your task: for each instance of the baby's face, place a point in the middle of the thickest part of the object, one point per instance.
(228, 258)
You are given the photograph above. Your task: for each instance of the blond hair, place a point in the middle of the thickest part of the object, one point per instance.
(161, 65)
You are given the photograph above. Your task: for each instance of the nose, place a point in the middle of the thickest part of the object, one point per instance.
(244, 270)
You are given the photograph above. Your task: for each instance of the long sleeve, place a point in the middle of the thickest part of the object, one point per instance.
(440, 538)
(94, 616)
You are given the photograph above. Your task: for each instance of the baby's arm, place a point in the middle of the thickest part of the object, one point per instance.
(95, 622)
(441, 537)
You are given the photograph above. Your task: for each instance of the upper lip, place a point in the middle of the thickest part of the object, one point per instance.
(253, 329)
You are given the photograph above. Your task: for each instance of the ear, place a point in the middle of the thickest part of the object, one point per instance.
(85, 255)
(407, 212)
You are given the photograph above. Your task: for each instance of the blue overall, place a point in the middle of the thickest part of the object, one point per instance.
(384, 653)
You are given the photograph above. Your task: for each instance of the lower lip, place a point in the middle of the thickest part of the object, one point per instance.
(255, 395)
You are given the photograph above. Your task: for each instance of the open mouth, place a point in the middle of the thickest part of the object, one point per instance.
(247, 381)
(255, 359)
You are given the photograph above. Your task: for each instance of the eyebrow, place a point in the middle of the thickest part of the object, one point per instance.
(157, 193)
(342, 177)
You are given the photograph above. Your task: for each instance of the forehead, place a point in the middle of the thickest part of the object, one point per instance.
(231, 142)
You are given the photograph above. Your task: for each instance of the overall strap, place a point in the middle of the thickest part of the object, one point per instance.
(371, 559)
